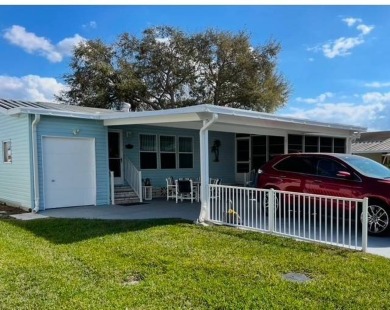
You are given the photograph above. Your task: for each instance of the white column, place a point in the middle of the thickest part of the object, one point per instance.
(204, 168)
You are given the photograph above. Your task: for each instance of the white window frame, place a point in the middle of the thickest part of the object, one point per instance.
(7, 151)
(155, 151)
(178, 152)
(176, 143)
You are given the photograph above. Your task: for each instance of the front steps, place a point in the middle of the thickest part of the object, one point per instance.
(124, 194)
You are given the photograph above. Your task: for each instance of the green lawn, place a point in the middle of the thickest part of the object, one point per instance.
(90, 264)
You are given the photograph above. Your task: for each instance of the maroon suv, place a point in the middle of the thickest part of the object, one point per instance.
(341, 175)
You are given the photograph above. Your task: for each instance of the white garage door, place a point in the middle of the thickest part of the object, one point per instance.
(69, 172)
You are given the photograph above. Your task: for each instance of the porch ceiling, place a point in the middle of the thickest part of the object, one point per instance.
(231, 120)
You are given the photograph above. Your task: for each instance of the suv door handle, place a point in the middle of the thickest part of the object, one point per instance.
(317, 181)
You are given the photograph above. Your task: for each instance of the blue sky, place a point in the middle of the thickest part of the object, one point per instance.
(337, 58)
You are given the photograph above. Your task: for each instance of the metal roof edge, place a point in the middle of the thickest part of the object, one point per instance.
(202, 108)
(49, 112)
(234, 112)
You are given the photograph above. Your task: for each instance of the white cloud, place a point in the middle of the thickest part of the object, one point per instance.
(92, 24)
(30, 87)
(343, 45)
(350, 21)
(377, 84)
(31, 43)
(319, 99)
(66, 46)
(364, 29)
(371, 110)
(376, 97)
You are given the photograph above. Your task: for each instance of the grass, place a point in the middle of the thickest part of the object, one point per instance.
(95, 264)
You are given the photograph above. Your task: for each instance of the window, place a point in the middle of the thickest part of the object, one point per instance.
(148, 151)
(311, 144)
(326, 144)
(275, 146)
(296, 164)
(186, 152)
(339, 145)
(329, 168)
(295, 143)
(167, 152)
(242, 155)
(7, 152)
(259, 151)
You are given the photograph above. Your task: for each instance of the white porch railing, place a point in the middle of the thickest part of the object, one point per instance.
(133, 177)
(318, 218)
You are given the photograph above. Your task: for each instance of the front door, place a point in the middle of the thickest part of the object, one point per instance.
(115, 154)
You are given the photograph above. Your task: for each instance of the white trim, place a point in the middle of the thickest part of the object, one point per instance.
(189, 114)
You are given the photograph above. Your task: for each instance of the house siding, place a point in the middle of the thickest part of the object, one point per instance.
(63, 127)
(16, 177)
(223, 169)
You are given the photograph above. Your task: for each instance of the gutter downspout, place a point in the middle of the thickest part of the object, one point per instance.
(35, 161)
(204, 168)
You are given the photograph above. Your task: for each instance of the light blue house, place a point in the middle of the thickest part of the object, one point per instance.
(56, 155)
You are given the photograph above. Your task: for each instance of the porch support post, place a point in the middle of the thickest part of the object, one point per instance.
(204, 169)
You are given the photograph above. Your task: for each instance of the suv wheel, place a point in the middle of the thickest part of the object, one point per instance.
(378, 219)
(266, 202)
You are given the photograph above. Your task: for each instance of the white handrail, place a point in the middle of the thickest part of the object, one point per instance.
(112, 190)
(133, 177)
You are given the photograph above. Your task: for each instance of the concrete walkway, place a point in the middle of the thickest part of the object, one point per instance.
(155, 209)
(160, 208)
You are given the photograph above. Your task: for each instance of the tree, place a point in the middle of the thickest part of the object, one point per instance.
(99, 78)
(162, 60)
(167, 68)
(232, 73)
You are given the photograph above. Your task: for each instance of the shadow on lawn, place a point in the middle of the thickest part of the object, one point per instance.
(65, 231)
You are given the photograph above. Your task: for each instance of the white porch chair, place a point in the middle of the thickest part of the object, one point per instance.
(171, 188)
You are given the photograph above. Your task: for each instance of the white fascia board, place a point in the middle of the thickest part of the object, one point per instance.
(273, 117)
(16, 111)
(278, 124)
(152, 119)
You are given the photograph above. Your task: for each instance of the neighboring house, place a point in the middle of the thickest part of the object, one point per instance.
(374, 145)
(57, 155)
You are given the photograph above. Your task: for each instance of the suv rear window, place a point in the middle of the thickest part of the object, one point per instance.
(297, 164)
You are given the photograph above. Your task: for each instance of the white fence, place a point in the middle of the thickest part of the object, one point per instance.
(324, 219)
(133, 177)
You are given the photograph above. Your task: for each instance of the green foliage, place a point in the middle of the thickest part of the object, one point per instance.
(171, 264)
(167, 68)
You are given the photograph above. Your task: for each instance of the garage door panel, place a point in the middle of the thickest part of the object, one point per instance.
(69, 172)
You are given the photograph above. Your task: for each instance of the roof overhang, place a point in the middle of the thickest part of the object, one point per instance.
(193, 117)
(229, 120)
